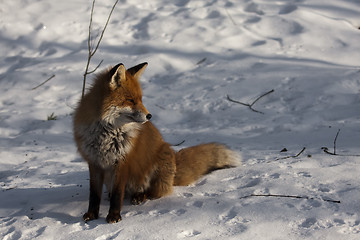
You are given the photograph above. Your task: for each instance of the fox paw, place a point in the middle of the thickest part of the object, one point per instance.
(138, 198)
(90, 216)
(113, 218)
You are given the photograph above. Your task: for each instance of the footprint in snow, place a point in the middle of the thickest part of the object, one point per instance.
(287, 9)
(132, 213)
(188, 233)
(187, 195)
(228, 215)
(197, 204)
(310, 204)
(232, 218)
(181, 3)
(178, 212)
(12, 234)
(253, 8)
(158, 212)
(304, 174)
(252, 183)
(8, 221)
(308, 223)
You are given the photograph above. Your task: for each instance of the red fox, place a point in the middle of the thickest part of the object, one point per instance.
(126, 152)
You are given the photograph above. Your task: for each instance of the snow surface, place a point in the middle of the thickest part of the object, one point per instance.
(199, 52)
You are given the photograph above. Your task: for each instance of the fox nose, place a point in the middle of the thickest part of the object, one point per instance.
(148, 117)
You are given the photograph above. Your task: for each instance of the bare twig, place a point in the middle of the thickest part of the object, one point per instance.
(43, 82)
(293, 156)
(230, 17)
(161, 107)
(91, 49)
(10, 188)
(326, 150)
(289, 196)
(201, 61)
(335, 139)
(96, 67)
(178, 144)
(252, 104)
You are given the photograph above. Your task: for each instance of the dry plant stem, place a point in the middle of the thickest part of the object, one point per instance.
(293, 156)
(337, 134)
(44, 82)
(91, 49)
(289, 196)
(326, 150)
(178, 144)
(230, 17)
(252, 104)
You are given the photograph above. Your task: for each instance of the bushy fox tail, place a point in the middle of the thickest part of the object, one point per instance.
(193, 162)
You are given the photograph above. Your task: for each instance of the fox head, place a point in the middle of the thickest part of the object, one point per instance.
(123, 99)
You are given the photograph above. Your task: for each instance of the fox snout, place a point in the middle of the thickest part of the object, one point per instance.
(141, 117)
(120, 116)
(141, 113)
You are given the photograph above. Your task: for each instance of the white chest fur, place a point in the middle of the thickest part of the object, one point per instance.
(105, 145)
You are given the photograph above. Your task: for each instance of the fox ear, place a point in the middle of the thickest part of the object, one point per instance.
(138, 70)
(118, 74)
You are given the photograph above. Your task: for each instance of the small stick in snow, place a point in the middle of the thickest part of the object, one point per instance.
(161, 107)
(326, 150)
(230, 17)
(178, 144)
(252, 104)
(289, 196)
(293, 156)
(201, 61)
(43, 82)
(10, 188)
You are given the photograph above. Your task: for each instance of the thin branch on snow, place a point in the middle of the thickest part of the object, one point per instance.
(43, 82)
(292, 156)
(178, 144)
(10, 188)
(91, 48)
(252, 104)
(289, 196)
(230, 17)
(161, 107)
(326, 150)
(201, 61)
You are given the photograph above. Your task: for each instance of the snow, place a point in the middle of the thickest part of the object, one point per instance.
(198, 53)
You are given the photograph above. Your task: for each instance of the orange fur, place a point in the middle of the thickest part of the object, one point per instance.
(125, 151)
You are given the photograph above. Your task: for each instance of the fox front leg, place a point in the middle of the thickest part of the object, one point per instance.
(117, 196)
(96, 183)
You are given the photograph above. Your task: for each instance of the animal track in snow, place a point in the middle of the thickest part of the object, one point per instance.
(188, 233)
(253, 8)
(287, 9)
(197, 204)
(132, 213)
(9, 233)
(252, 183)
(187, 195)
(310, 204)
(308, 222)
(178, 212)
(158, 212)
(231, 217)
(8, 221)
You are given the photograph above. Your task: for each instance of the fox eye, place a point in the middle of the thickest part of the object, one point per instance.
(131, 100)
